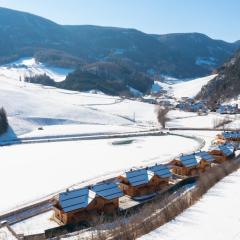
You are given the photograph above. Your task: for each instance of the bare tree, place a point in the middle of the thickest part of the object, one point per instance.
(221, 122)
(162, 113)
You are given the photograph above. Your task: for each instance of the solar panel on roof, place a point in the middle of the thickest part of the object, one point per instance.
(139, 177)
(227, 150)
(75, 199)
(205, 156)
(189, 160)
(109, 191)
(228, 135)
(161, 170)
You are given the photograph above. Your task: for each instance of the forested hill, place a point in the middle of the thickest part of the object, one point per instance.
(180, 55)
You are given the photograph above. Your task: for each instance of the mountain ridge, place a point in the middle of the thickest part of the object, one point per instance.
(181, 55)
(226, 85)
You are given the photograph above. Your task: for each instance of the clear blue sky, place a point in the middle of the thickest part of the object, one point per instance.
(217, 18)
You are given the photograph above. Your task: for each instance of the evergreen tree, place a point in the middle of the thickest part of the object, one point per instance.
(3, 121)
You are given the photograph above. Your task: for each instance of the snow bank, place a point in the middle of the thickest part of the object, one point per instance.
(215, 216)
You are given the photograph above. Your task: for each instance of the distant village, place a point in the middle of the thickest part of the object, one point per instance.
(191, 105)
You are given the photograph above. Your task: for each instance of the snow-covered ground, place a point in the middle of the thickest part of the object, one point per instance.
(190, 88)
(207, 136)
(215, 216)
(30, 106)
(35, 224)
(193, 120)
(80, 129)
(29, 67)
(30, 172)
(179, 89)
(6, 234)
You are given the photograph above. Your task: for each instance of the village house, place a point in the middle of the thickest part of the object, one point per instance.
(163, 172)
(84, 204)
(222, 152)
(191, 106)
(228, 109)
(205, 160)
(229, 136)
(192, 164)
(145, 181)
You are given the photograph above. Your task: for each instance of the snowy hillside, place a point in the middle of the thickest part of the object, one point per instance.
(30, 106)
(29, 67)
(35, 106)
(215, 216)
(190, 88)
(179, 88)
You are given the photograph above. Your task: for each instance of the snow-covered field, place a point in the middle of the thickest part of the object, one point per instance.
(179, 89)
(193, 120)
(29, 67)
(215, 216)
(30, 106)
(30, 172)
(190, 88)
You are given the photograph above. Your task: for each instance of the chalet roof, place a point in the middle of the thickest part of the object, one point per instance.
(139, 177)
(76, 199)
(189, 160)
(227, 149)
(108, 191)
(231, 135)
(203, 155)
(161, 170)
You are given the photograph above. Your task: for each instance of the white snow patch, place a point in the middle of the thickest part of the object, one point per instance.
(6, 234)
(30, 67)
(35, 225)
(190, 88)
(160, 86)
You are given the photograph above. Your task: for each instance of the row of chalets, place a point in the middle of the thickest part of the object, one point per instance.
(74, 206)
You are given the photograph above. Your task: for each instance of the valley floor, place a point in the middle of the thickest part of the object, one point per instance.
(35, 111)
(42, 169)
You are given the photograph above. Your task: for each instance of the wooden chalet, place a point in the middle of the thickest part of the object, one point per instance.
(222, 152)
(140, 182)
(161, 171)
(86, 203)
(186, 165)
(192, 164)
(229, 137)
(108, 196)
(205, 160)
